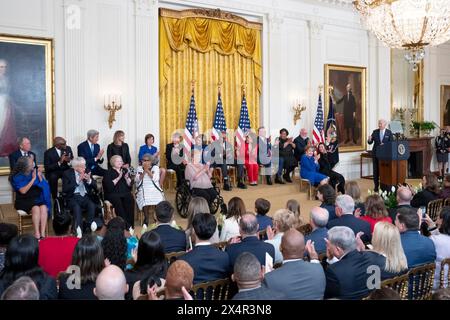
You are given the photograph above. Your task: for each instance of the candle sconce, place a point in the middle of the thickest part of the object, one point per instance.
(113, 105)
(298, 108)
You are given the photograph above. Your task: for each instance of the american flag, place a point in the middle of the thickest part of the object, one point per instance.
(318, 124)
(220, 124)
(191, 130)
(244, 123)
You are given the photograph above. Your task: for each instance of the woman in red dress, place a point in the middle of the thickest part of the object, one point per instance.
(251, 164)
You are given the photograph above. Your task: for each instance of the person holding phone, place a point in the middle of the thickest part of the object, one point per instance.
(56, 162)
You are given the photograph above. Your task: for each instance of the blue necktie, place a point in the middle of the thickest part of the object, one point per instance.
(381, 136)
(92, 149)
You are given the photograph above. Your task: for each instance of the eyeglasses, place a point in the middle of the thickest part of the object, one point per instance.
(145, 160)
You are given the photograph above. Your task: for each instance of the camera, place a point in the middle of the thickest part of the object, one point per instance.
(149, 281)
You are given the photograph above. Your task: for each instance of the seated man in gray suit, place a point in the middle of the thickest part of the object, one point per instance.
(296, 278)
(248, 275)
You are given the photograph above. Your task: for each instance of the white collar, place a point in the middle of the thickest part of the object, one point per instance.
(206, 243)
(291, 260)
(250, 289)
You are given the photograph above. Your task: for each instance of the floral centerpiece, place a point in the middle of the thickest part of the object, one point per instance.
(390, 198)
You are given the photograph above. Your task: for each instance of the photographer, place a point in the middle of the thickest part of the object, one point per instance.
(148, 188)
(56, 161)
(117, 188)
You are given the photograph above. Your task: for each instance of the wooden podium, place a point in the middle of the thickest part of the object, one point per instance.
(393, 162)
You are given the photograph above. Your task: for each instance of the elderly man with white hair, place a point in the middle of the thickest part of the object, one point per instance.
(378, 137)
(318, 219)
(76, 186)
(91, 152)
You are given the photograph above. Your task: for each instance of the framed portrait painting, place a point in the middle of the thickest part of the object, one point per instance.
(347, 87)
(445, 105)
(26, 95)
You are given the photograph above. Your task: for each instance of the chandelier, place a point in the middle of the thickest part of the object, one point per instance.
(410, 25)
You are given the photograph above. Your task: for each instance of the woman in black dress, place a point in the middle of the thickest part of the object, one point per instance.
(119, 148)
(117, 189)
(336, 179)
(287, 160)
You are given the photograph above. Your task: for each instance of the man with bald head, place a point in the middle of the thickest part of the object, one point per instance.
(248, 228)
(296, 279)
(111, 284)
(404, 197)
(318, 219)
(378, 138)
(56, 161)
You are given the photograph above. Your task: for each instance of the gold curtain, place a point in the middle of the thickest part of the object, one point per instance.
(206, 50)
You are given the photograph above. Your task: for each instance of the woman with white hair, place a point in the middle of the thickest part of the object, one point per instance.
(148, 189)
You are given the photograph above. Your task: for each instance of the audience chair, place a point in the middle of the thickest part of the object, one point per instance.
(305, 229)
(445, 273)
(170, 179)
(262, 234)
(421, 282)
(212, 290)
(25, 220)
(221, 245)
(217, 175)
(447, 202)
(434, 208)
(311, 189)
(399, 284)
(232, 175)
(172, 256)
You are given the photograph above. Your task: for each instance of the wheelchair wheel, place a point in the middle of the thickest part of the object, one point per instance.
(182, 199)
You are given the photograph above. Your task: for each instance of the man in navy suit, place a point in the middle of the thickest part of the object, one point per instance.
(418, 249)
(208, 262)
(318, 221)
(378, 137)
(345, 205)
(248, 227)
(91, 152)
(173, 240)
(23, 151)
(56, 161)
(248, 275)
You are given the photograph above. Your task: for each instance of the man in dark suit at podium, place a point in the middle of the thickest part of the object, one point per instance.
(378, 137)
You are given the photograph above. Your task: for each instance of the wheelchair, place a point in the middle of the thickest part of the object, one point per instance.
(184, 194)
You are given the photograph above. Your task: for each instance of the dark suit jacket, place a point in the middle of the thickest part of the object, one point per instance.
(317, 236)
(298, 280)
(331, 211)
(84, 151)
(51, 159)
(252, 245)
(173, 240)
(349, 108)
(356, 224)
(208, 262)
(112, 150)
(376, 139)
(300, 147)
(261, 293)
(393, 211)
(347, 278)
(418, 249)
(422, 198)
(169, 149)
(70, 183)
(13, 157)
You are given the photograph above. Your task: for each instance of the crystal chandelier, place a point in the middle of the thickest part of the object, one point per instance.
(407, 24)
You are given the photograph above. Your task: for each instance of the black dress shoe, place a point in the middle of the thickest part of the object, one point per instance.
(279, 180)
(241, 185)
(227, 187)
(287, 178)
(269, 180)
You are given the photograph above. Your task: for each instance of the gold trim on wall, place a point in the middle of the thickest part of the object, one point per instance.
(442, 104)
(49, 84)
(362, 70)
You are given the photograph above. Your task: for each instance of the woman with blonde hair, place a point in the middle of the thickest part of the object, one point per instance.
(353, 190)
(198, 205)
(375, 211)
(119, 148)
(283, 220)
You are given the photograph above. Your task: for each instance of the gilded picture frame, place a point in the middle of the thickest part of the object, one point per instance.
(350, 107)
(26, 95)
(445, 105)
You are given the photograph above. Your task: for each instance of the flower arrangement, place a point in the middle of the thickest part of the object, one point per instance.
(390, 198)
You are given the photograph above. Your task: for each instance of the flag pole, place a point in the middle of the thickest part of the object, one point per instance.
(320, 89)
(193, 86)
(243, 90)
(219, 88)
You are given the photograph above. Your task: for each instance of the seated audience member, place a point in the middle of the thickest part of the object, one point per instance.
(318, 219)
(347, 277)
(230, 228)
(199, 177)
(327, 196)
(293, 206)
(418, 249)
(336, 179)
(23, 288)
(77, 184)
(251, 155)
(404, 197)
(150, 261)
(7, 232)
(55, 252)
(445, 192)
(262, 207)
(309, 164)
(248, 227)
(384, 294)
(117, 189)
(296, 278)
(173, 240)
(286, 161)
(353, 190)
(149, 148)
(148, 187)
(119, 148)
(23, 151)
(91, 152)
(283, 220)
(248, 275)
(344, 211)
(441, 294)
(32, 193)
(265, 154)
(114, 245)
(111, 284)
(179, 278)
(175, 158)
(56, 161)
(88, 257)
(208, 262)
(21, 259)
(430, 192)
(375, 211)
(302, 142)
(198, 205)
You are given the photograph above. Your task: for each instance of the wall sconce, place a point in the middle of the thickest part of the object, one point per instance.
(298, 108)
(112, 104)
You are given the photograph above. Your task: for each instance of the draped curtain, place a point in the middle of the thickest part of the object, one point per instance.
(209, 51)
